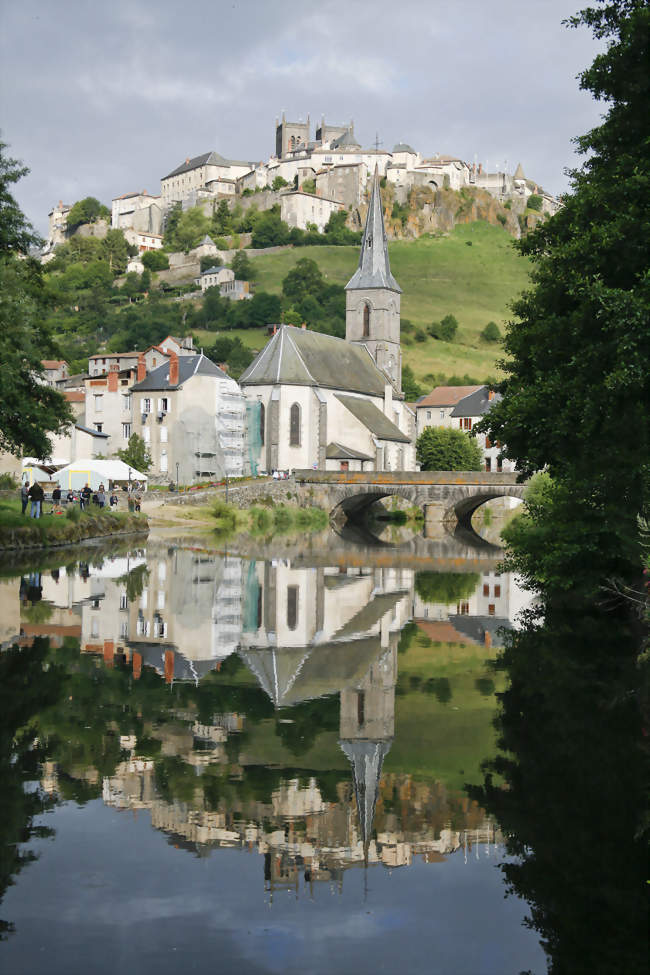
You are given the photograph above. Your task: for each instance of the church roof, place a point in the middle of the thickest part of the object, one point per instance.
(403, 147)
(519, 172)
(366, 757)
(374, 266)
(347, 140)
(335, 451)
(206, 240)
(373, 419)
(299, 357)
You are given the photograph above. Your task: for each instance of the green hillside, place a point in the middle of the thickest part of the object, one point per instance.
(474, 274)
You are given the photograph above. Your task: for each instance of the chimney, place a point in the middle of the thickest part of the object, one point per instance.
(173, 369)
(113, 374)
(142, 367)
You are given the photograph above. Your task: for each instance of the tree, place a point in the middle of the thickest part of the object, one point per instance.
(155, 260)
(270, 230)
(445, 587)
(534, 202)
(242, 265)
(135, 454)
(29, 409)
(210, 260)
(410, 388)
(491, 333)
(192, 225)
(278, 183)
(446, 329)
(222, 219)
(577, 387)
(304, 278)
(444, 449)
(87, 210)
(171, 223)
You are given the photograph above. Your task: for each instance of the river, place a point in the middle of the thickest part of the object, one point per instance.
(274, 761)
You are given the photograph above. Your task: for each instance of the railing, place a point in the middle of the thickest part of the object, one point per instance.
(413, 478)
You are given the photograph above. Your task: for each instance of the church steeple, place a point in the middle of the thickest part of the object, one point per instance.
(372, 296)
(374, 265)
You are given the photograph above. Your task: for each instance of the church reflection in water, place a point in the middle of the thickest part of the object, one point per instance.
(309, 657)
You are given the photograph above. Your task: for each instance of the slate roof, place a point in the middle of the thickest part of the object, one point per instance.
(475, 627)
(519, 172)
(446, 396)
(336, 451)
(299, 357)
(373, 419)
(188, 366)
(346, 140)
(206, 159)
(206, 240)
(91, 430)
(476, 404)
(374, 266)
(403, 147)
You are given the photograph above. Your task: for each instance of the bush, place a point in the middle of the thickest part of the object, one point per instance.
(445, 587)
(444, 449)
(501, 217)
(8, 482)
(155, 261)
(309, 186)
(444, 330)
(278, 183)
(209, 260)
(534, 202)
(491, 333)
(72, 512)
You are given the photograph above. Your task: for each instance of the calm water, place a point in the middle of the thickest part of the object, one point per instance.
(218, 763)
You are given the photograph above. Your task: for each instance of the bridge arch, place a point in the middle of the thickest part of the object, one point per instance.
(462, 508)
(350, 503)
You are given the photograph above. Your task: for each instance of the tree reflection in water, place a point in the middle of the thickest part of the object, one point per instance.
(573, 762)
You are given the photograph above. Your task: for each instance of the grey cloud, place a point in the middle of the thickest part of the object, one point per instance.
(105, 98)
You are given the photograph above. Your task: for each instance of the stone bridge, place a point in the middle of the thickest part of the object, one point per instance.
(447, 497)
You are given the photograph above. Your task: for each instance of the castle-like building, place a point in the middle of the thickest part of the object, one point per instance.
(336, 404)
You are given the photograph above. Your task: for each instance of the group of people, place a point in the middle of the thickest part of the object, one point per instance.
(36, 495)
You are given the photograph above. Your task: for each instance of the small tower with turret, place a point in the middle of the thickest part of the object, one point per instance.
(372, 303)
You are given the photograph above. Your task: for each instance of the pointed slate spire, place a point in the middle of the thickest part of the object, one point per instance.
(519, 172)
(374, 266)
(366, 757)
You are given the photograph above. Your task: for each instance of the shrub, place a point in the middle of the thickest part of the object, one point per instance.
(208, 261)
(309, 186)
(444, 449)
(445, 587)
(534, 202)
(420, 335)
(491, 333)
(278, 183)
(446, 329)
(73, 513)
(8, 482)
(501, 217)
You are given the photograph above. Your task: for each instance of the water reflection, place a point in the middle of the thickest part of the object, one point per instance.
(228, 698)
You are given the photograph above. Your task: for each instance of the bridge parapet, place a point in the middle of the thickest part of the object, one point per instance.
(412, 478)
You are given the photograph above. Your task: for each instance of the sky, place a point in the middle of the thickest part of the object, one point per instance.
(100, 99)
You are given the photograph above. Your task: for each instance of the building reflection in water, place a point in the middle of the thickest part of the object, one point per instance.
(307, 634)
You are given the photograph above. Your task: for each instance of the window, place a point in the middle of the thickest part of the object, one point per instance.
(428, 414)
(499, 465)
(463, 609)
(99, 427)
(94, 628)
(361, 708)
(163, 434)
(124, 601)
(366, 321)
(467, 423)
(442, 414)
(126, 402)
(294, 426)
(163, 404)
(161, 599)
(497, 591)
(164, 467)
(124, 629)
(146, 435)
(488, 443)
(126, 430)
(99, 403)
(292, 607)
(262, 422)
(488, 464)
(146, 406)
(486, 589)
(491, 610)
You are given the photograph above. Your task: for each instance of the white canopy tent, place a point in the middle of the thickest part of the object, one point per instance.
(96, 472)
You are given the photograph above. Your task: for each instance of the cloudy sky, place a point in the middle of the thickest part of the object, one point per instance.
(99, 99)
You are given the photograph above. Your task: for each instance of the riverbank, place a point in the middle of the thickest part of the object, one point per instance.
(18, 531)
(274, 519)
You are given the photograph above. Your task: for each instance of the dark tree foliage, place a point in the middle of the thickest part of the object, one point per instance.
(411, 389)
(445, 587)
(135, 454)
(29, 410)
(309, 298)
(87, 210)
(577, 386)
(444, 449)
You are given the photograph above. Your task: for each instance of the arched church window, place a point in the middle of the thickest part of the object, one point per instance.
(262, 422)
(294, 425)
(366, 321)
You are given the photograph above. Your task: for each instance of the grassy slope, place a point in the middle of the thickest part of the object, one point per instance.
(438, 276)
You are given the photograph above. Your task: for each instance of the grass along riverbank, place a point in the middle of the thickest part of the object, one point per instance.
(262, 521)
(18, 531)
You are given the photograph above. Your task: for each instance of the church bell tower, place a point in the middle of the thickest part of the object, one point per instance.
(372, 296)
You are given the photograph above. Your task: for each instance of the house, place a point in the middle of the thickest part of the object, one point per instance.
(200, 173)
(336, 404)
(54, 370)
(144, 240)
(192, 417)
(206, 248)
(299, 209)
(137, 211)
(214, 277)
(102, 362)
(109, 406)
(434, 409)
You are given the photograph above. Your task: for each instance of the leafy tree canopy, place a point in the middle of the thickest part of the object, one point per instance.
(242, 265)
(445, 587)
(87, 210)
(577, 386)
(155, 260)
(491, 333)
(410, 388)
(136, 454)
(444, 449)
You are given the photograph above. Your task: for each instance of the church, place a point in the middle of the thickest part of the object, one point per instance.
(325, 403)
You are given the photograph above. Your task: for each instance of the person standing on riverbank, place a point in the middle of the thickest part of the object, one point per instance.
(36, 494)
(24, 494)
(84, 497)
